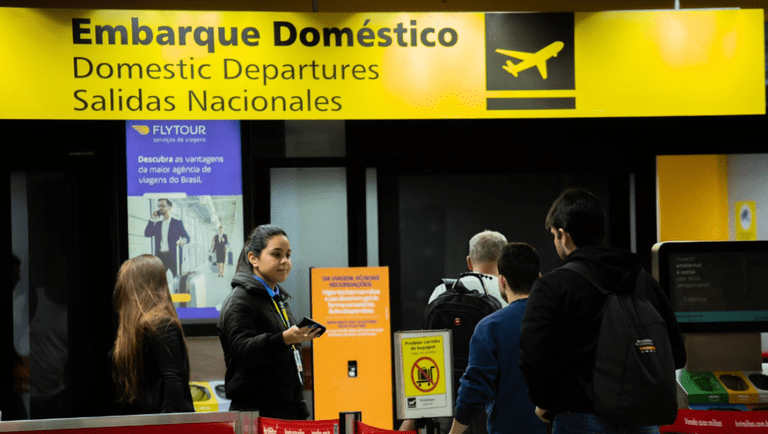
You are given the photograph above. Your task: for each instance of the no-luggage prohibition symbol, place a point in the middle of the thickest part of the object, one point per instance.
(422, 370)
(425, 374)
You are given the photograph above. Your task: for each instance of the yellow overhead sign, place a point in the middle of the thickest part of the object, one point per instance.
(125, 64)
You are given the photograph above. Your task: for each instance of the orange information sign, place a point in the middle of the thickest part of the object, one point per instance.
(352, 363)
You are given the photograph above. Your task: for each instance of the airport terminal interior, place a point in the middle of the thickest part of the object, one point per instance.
(403, 194)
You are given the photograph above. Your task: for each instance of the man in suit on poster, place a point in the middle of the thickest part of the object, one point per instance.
(168, 232)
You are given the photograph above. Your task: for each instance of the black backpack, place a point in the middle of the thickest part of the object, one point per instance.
(460, 309)
(633, 381)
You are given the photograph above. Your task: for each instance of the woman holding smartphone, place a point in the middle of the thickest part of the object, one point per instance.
(258, 334)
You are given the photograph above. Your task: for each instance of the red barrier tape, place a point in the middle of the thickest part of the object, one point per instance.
(279, 426)
(203, 427)
(365, 429)
(688, 422)
(718, 422)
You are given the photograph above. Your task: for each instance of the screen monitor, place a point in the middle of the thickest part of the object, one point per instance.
(715, 286)
(185, 206)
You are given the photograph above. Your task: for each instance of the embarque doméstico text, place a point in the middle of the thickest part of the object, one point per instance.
(285, 34)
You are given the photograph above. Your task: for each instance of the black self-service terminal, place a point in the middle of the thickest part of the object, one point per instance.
(719, 292)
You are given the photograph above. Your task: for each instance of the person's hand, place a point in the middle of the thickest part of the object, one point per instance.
(408, 425)
(21, 375)
(543, 415)
(457, 427)
(295, 335)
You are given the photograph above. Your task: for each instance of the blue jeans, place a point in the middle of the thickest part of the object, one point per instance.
(586, 423)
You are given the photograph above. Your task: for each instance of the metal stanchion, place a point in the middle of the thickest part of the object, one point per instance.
(242, 426)
(254, 416)
(247, 422)
(427, 426)
(348, 421)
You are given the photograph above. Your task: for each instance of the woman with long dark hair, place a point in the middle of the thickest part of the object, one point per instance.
(150, 360)
(258, 333)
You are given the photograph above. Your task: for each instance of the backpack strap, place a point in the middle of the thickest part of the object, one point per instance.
(464, 289)
(448, 282)
(583, 271)
(455, 285)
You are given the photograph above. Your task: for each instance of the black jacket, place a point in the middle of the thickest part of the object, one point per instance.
(165, 383)
(562, 322)
(261, 371)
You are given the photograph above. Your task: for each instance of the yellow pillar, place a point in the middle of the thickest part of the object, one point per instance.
(692, 193)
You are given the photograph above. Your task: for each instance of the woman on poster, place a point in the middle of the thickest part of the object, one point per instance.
(219, 246)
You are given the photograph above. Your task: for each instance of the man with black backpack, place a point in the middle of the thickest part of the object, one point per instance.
(459, 304)
(492, 381)
(599, 342)
(484, 250)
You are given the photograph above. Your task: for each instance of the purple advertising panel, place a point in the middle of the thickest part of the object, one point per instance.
(185, 206)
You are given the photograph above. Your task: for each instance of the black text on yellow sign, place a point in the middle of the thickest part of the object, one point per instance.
(118, 64)
(424, 363)
(285, 34)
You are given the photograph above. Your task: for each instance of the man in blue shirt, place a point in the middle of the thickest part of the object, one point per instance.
(493, 381)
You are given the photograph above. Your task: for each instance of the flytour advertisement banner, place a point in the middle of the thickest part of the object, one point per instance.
(185, 206)
(206, 65)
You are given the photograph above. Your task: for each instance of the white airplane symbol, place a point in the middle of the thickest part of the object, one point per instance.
(538, 59)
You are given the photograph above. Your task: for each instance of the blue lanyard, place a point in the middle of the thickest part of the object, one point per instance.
(272, 292)
(283, 314)
(279, 306)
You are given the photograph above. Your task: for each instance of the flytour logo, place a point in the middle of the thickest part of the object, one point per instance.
(141, 129)
(529, 52)
(171, 129)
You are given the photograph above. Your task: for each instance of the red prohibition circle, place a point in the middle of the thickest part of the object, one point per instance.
(426, 377)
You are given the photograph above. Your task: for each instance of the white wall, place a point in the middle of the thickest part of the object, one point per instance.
(310, 204)
(748, 180)
(372, 216)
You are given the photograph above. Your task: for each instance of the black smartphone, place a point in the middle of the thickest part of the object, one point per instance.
(310, 322)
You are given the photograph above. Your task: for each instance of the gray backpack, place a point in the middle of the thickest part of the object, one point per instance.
(633, 381)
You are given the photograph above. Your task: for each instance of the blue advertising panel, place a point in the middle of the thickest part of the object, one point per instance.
(185, 206)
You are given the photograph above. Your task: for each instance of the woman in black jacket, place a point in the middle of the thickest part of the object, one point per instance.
(150, 364)
(258, 333)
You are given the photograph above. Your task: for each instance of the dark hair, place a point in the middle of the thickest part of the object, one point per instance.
(519, 264)
(257, 241)
(167, 201)
(580, 213)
